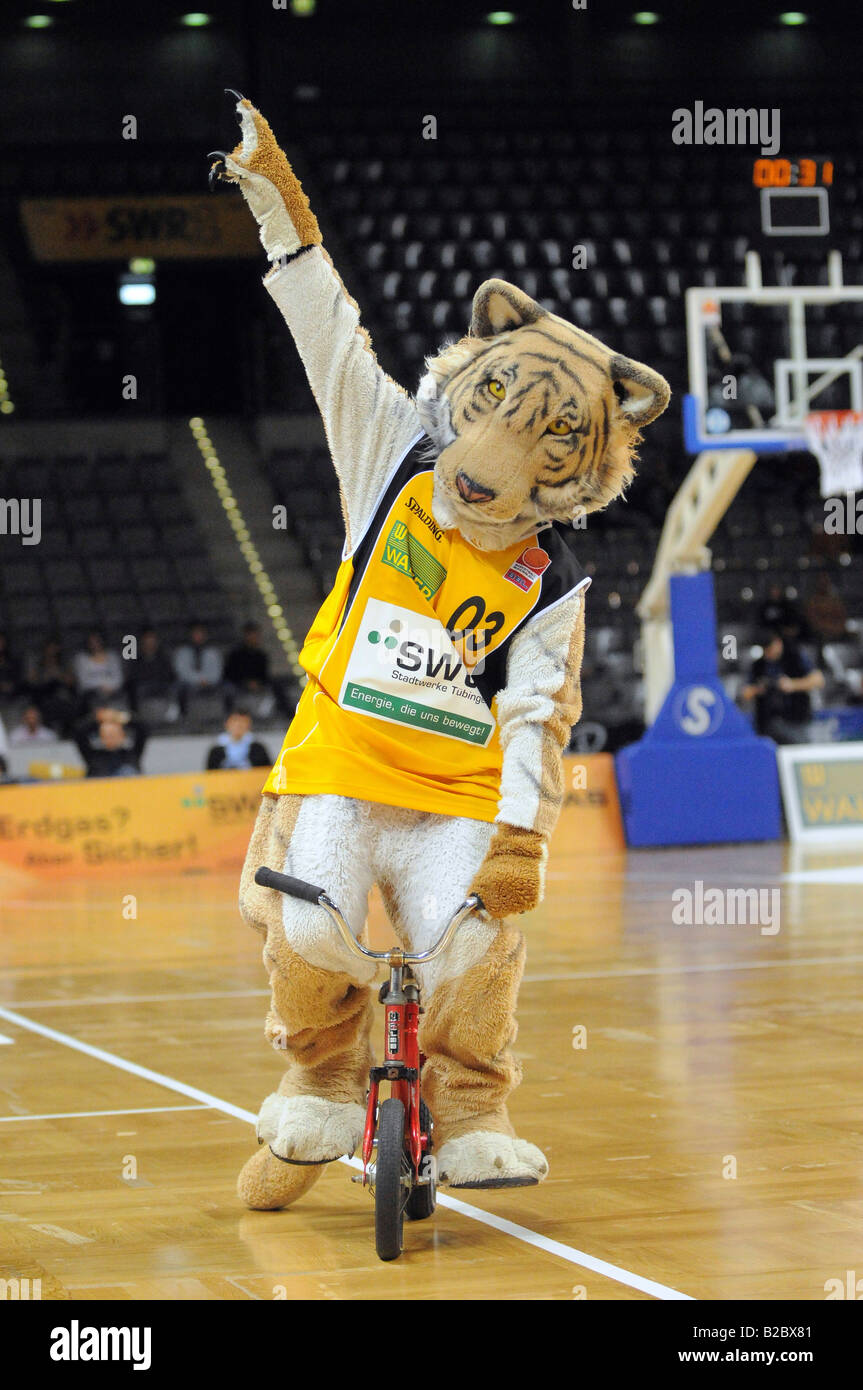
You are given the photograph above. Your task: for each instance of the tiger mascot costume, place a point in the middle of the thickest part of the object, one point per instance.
(425, 755)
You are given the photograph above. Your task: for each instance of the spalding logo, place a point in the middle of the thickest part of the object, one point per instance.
(698, 710)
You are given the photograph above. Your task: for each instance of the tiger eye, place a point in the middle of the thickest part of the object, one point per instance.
(497, 388)
(560, 426)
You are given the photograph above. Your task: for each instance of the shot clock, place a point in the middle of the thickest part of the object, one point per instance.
(792, 173)
(793, 196)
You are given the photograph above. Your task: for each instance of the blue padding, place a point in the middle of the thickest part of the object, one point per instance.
(696, 443)
(714, 793)
(699, 775)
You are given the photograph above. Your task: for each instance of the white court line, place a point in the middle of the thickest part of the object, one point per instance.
(87, 1114)
(124, 1065)
(552, 1247)
(852, 873)
(622, 973)
(693, 969)
(510, 1228)
(138, 998)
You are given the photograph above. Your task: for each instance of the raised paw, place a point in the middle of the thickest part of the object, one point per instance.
(268, 184)
(309, 1129)
(485, 1159)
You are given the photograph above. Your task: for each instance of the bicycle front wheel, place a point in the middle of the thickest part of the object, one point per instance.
(421, 1203)
(391, 1168)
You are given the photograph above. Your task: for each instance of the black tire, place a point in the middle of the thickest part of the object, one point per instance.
(390, 1191)
(421, 1203)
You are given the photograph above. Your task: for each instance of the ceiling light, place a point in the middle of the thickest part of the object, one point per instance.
(136, 292)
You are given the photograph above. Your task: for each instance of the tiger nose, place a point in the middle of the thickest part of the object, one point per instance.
(469, 491)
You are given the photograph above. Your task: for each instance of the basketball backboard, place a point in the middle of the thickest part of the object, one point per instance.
(763, 357)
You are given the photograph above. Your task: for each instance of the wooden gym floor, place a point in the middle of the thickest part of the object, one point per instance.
(133, 1062)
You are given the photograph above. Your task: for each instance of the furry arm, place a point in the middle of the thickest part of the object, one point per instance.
(536, 711)
(369, 420)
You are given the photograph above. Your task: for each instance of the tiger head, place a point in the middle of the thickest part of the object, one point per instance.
(531, 420)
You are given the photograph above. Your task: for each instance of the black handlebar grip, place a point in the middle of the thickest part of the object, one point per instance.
(295, 887)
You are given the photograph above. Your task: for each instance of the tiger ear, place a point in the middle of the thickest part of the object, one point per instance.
(641, 392)
(499, 307)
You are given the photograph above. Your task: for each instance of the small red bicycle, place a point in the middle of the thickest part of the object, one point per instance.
(398, 1130)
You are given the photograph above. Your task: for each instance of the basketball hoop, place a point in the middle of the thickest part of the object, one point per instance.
(836, 439)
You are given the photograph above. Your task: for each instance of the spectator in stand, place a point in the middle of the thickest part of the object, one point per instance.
(781, 614)
(151, 674)
(825, 612)
(247, 668)
(111, 742)
(10, 671)
(781, 685)
(197, 665)
(236, 747)
(51, 684)
(31, 731)
(99, 673)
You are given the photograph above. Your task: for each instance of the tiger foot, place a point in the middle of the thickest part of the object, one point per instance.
(309, 1129)
(484, 1159)
(267, 1183)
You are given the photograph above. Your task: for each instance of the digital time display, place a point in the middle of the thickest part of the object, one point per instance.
(792, 173)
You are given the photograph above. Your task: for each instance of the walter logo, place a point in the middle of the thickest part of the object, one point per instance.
(403, 552)
(527, 569)
(698, 710)
(404, 668)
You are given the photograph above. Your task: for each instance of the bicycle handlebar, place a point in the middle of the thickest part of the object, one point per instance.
(294, 887)
(297, 888)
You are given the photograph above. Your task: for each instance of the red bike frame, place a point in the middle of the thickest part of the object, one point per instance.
(403, 1060)
(401, 1054)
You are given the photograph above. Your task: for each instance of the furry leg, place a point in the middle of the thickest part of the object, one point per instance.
(470, 993)
(467, 1033)
(319, 1018)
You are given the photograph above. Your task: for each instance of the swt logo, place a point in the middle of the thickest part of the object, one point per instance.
(420, 656)
(409, 672)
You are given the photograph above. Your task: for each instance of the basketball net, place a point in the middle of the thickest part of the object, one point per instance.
(836, 439)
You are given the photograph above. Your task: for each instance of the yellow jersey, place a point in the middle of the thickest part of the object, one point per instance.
(407, 654)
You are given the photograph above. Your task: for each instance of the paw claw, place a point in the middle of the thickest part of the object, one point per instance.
(217, 170)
